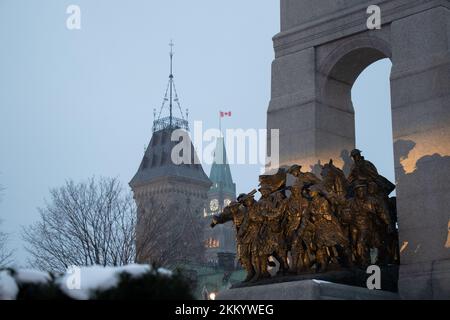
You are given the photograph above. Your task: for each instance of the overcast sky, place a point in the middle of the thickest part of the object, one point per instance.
(79, 103)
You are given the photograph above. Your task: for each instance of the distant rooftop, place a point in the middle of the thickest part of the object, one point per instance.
(157, 163)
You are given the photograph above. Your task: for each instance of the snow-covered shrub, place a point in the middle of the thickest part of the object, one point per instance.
(155, 285)
(94, 283)
(36, 285)
(8, 286)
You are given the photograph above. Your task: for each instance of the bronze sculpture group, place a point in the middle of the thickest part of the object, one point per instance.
(315, 224)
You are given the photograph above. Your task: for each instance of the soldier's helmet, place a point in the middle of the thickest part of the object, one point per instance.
(275, 181)
(355, 152)
(244, 196)
(294, 168)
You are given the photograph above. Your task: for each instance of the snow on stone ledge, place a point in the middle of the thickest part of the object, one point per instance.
(8, 286)
(165, 272)
(79, 283)
(32, 276)
(320, 281)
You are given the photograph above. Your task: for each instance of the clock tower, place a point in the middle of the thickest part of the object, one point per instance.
(220, 241)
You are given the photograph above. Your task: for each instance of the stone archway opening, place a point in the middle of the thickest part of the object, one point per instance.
(346, 70)
(373, 116)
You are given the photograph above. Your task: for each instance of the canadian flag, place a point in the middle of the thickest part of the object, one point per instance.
(225, 114)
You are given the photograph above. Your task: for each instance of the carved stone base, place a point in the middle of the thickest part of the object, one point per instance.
(305, 290)
(352, 277)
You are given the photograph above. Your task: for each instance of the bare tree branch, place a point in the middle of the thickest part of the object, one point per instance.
(5, 253)
(84, 224)
(169, 234)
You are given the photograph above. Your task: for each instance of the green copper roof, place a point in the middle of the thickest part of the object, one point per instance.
(220, 175)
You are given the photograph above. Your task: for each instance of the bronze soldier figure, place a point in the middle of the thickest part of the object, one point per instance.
(254, 239)
(237, 213)
(364, 170)
(335, 189)
(296, 229)
(385, 228)
(328, 231)
(366, 212)
(271, 205)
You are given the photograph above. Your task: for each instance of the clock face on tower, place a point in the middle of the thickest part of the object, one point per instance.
(226, 202)
(214, 205)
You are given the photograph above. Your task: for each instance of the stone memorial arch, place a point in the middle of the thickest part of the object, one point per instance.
(322, 48)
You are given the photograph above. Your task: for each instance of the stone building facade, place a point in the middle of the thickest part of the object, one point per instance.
(170, 199)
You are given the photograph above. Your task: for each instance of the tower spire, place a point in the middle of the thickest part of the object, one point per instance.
(171, 96)
(171, 82)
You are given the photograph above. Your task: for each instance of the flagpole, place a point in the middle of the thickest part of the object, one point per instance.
(220, 123)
